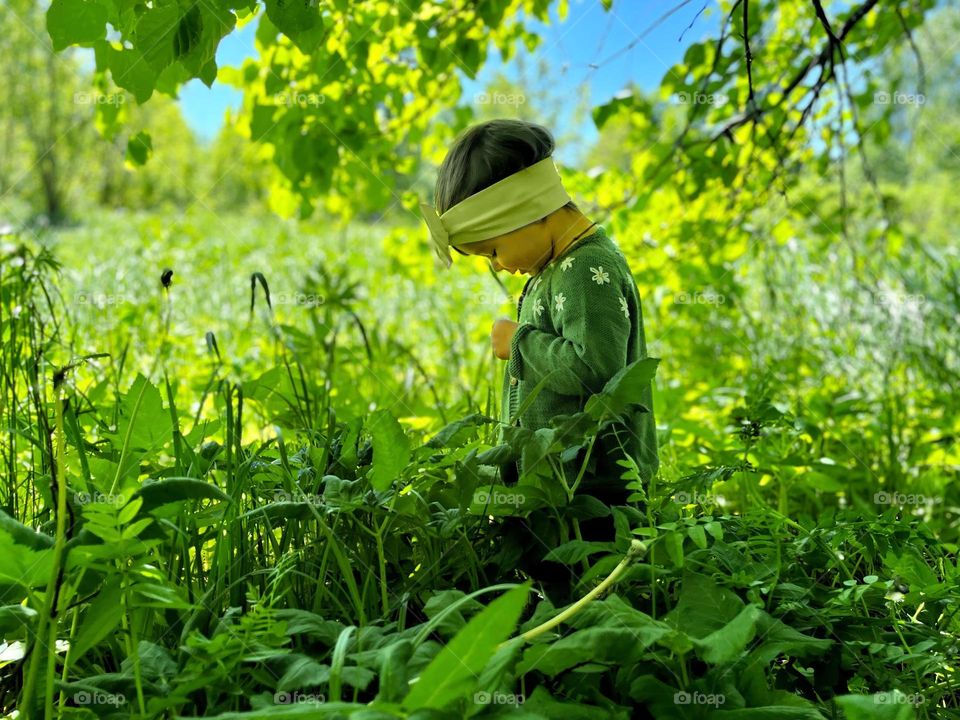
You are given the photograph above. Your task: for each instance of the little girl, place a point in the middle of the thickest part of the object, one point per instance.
(579, 319)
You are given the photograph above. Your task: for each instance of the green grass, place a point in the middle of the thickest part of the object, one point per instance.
(295, 513)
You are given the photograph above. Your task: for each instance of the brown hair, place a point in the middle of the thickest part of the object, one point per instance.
(487, 153)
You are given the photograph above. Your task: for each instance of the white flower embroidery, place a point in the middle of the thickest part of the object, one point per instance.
(567, 262)
(623, 306)
(599, 276)
(558, 301)
(536, 282)
(537, 308)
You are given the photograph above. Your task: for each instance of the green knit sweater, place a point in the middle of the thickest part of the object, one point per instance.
(581, 316)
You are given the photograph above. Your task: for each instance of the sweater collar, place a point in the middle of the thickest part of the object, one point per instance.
(595, 236)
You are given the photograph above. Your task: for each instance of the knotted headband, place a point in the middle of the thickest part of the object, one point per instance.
(511, 203)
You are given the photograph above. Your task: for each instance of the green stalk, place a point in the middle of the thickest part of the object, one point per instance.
(583, 467)
(637, 550)
(64, 674)
(384, 599)
(129, 625)
(126, 439)
(49, 614)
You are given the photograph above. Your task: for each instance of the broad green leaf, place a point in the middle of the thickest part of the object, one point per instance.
(133, 530)
(280, 512)
(142, 413)
(177, 489)
(21, 567)
(139, 148)
(453, 672)
(305, 710)
(704, 606)
(302, 671)
(540, 704)
(72, 22)
(457, 433)
(99, 620)
(617, 646)
(778, 638)
(189, 32)
(15, 619)
(574, 551)
(449, 607)
(892, 705)
(299, 20)
(394, 674)
(23, 535)
(391, 449)
(726, 644)
(130, 70)
(673, 542)
(155, 33)
(129, 511)
(158, 596)
(155, 661)
(624, 388)
(769, 712)
(304, 622)
(698, 535)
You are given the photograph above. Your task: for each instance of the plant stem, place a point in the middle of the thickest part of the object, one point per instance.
(637, 550)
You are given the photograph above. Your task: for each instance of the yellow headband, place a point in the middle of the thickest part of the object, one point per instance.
(511, 203)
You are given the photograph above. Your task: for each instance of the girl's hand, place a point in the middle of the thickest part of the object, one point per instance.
(500, 336)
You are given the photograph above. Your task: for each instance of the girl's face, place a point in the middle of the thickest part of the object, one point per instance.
(524, 250)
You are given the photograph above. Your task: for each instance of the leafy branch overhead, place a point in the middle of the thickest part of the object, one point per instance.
(749, 98)
(396, 63)
(343, 92)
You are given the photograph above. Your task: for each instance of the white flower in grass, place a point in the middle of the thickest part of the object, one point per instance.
(599, 276)
(537, 308)
(558, 301)
(623, 306)
(567, 262)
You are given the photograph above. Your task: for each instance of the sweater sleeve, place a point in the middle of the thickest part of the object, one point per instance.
(590, 313)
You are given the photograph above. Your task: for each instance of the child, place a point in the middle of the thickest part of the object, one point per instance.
(579, 319)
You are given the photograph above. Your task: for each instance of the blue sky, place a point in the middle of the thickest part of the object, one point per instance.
(588, 34)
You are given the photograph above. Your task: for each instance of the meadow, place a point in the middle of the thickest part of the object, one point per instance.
(285, 494)
(250, 459)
